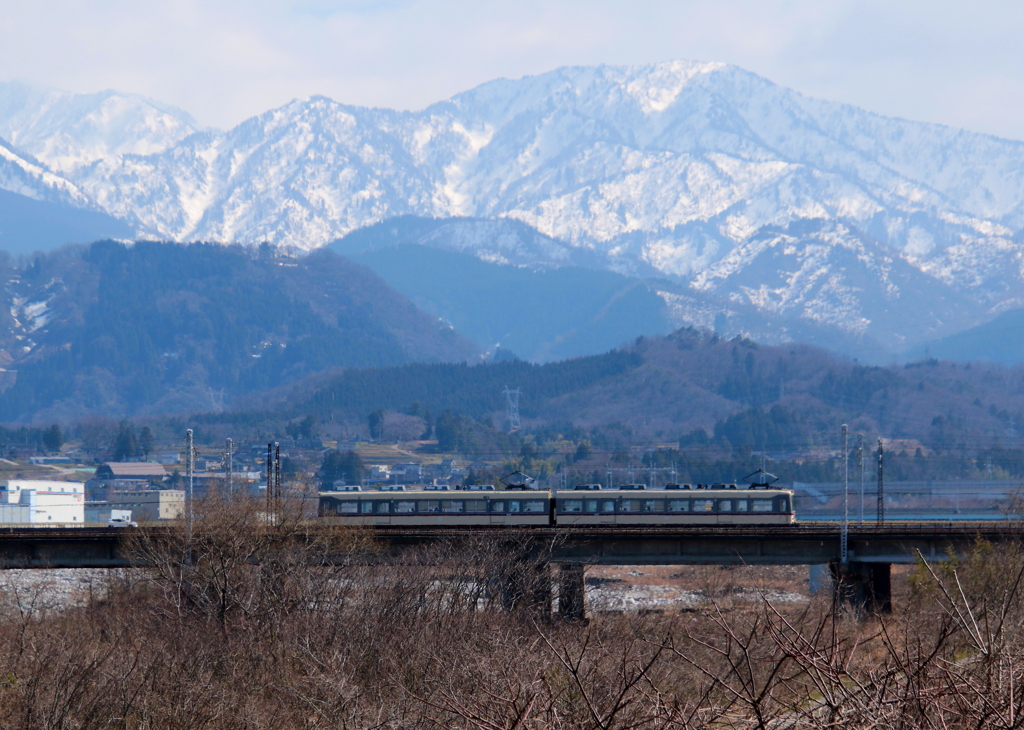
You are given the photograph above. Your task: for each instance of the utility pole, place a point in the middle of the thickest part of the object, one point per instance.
(845, 534)
(881, 486)
(190, 461)
(277, 479)
(860, 468)
(231, 484)
(270, 480)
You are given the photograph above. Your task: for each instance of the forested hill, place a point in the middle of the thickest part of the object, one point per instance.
(476, 390)
(160, 328)
(690, 386)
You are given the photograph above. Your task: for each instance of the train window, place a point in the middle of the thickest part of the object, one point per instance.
(783, 504)
(453, 505)
(725, 505)
(608, 505)
(761, 505)
(629, 505)
(498, 507)
(654, 505)
(430, 505)
(679, 505)
(476, 505)
(348, 508)
(404, 508)
(513, 505)
(366, 507)
(535, 505)
(741, 505)
(383, 508)
(703, 505)
(572, 505)
(591, 505)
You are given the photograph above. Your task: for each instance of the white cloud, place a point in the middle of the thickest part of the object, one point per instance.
(949, 62)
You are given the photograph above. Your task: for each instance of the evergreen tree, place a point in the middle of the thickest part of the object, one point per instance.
(302, 429)
(352, 467)
(145, 442)
(124, 445)
(448, 430)
(53, 439)
(336, 466)
(376, 422)
(307, 426)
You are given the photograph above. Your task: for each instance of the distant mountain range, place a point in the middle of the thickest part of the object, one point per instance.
(778, 212)
(504, 297)
(504, 285)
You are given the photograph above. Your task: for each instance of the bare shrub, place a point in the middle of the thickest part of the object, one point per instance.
(250, 622)
(233, 560)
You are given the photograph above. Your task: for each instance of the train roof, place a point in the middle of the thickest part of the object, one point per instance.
(703, 491)
(449, 494)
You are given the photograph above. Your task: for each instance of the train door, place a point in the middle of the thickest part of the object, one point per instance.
(382, 513)
(606, 514)
(497, 510)
(725, 511)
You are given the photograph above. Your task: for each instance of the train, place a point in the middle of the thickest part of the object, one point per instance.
(582, 505)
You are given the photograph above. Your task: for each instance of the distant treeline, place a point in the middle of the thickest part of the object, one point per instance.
(26, 437)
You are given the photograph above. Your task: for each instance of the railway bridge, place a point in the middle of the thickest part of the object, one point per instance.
(863, 579)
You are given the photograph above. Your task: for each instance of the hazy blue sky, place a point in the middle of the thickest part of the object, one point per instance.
(959, 63)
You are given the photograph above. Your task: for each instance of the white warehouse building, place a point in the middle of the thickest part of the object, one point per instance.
(38, 501)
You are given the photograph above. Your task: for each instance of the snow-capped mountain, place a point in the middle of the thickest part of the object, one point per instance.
(66, 130)
(702, 173)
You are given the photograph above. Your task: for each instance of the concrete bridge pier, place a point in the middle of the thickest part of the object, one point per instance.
(864, 586)
(572, 591)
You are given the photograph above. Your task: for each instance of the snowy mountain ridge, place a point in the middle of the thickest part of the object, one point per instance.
(702, 173)
(67, 130)
(23, 175)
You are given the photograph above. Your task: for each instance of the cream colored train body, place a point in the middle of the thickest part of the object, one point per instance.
(568, 507)
(675, 507)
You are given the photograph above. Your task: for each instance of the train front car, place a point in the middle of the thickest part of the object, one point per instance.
(718, 504)
(437, 508)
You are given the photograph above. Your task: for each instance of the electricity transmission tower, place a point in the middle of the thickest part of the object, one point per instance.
(512, 401)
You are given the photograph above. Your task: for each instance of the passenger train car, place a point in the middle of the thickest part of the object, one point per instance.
(674, 504)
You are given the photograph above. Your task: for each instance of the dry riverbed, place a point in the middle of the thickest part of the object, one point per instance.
(630, 588)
